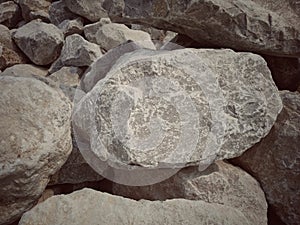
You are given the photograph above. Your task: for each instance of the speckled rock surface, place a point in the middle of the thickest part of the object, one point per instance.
(101, 208)
(91, 10)
(220, 183)
(269, 27)
(58, 12)
(157, 110)
(70, 27)
(35, 9)
(40, 41)
(35, 141)
(69, 76)
(26, 70)
(10, 13)
(274, 162)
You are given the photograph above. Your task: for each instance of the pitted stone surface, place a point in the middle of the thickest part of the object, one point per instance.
(102, 208)
(170, 109)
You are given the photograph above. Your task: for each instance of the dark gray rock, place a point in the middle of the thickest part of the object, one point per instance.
(10, 14)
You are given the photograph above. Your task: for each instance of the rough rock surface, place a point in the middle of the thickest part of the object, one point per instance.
(41, 42)
(70, 27)
(111, 35)
(69, 76)
(10, 14)
(35, 141)
(178, 108)
(58, 12)
(220, 183)
(269, 27)
(285, 72)
(91, 10)
(79, 52)
(102, 208)
(35, 9)
(75, 171)
(26, 70)
(274, 162)
(5, 37)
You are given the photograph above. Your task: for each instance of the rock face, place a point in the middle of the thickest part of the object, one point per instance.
(101, 208)
(10, 14)
(35, 141)
(91, 10)
(35, 9)
(274, 162)
(267, 27)
(220, 183)
(58, 12)
(111, 35)
(41, 42)
(79, 52)
(170, 109)
(285, 72)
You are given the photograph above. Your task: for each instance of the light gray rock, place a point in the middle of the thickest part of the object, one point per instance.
(58, 12)
(220, 183)
(79, 52)
(171, 109)
(274, 162)
(26, 70)
(35, 9)
(111, 35)
(91, 10)
(90, 30)
(69, 76)
(70, 27)
(269, 27)
(10, 14)
(102, 208)
(41, 42)
(35, 141)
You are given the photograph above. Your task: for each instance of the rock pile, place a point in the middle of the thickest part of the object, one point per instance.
(154, 102)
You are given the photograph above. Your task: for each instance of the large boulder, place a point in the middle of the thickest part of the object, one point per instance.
(274, 162)
(40, 41)
(35, 141)
(171, 109)
(269, 27)
(91, 9)
(102, 208)
(220, 183)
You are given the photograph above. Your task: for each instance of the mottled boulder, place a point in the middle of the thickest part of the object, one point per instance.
(102, 208)
(269, 27)
(111, 35)
(91, 10)
(70, 27)
(220, 183)
(26, 70)
(274, 162)
(58, 12)
(35, 9)
(79, 52)
(171, 109)
(35, 141)
(10, 14)
(41, 42)
(285, 72)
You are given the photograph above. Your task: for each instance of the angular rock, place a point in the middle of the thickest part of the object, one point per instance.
(10, 14)
(35, 141)
(79, 52)
(274, 162)
(26, 70)
(90, 30)
(75, 171)
(91, 10)
(220, 183)
(268, 27)
(171, 109)
(102, 208)
(41, 42)
(35, 9)
(70, 27)
(285, 72)
(111, 35)
(9, 57)
(5, 38)
(69, 76)
(58, 12)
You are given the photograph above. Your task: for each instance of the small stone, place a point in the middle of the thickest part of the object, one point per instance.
(90, 30)
(5, 37)
(10, 14)
(40, 41)
(91, 10)
(58, 12)
(70, 27)
(9, 57)
(35, 9)
(69, 76)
